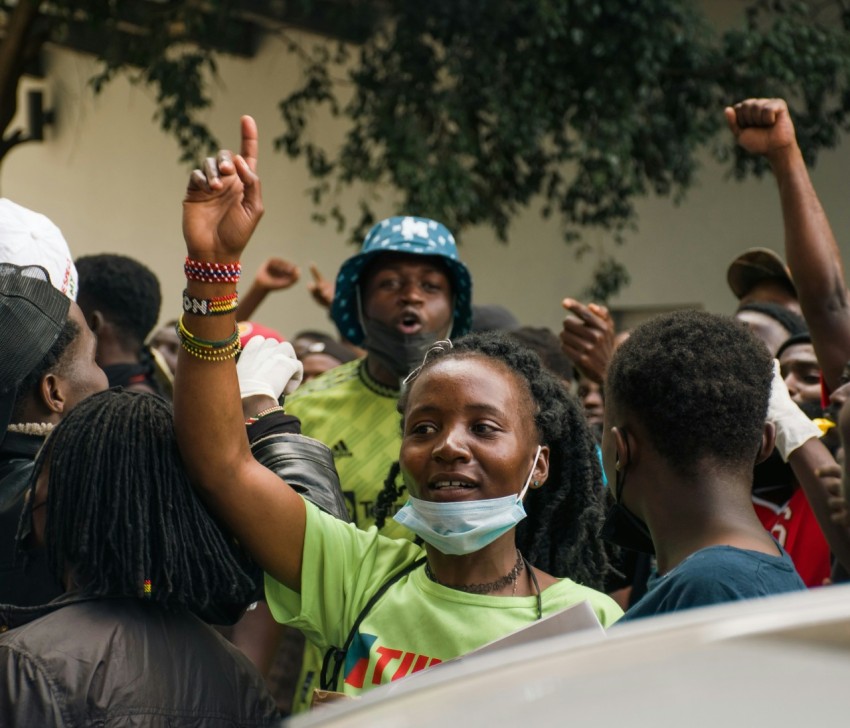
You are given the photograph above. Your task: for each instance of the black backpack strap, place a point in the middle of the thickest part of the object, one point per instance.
(335, 656)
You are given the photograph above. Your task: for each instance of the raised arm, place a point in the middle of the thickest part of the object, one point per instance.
(222, 207)
(275, 274)
(764, 126)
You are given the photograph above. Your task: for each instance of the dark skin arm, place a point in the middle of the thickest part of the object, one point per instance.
(813, 466)
(763, 126)
(275, 274)
(222, 207)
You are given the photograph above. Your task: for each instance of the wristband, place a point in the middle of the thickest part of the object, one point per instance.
(216, 306)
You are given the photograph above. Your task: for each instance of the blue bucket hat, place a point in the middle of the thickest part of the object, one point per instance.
(414, 236)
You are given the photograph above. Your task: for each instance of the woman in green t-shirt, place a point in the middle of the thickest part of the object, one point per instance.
(483, 424)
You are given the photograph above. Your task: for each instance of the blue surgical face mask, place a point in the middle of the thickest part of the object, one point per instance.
(467, 526)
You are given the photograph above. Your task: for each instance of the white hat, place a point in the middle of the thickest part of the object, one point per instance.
(29, 238)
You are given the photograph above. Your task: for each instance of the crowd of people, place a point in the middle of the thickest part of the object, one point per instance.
(212, 523)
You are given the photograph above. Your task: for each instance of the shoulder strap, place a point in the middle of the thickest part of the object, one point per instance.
(335, 656)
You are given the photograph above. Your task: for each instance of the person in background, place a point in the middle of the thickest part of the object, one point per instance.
(791, 488)
(759, 275)
(771, 323)
(30, 238)
(47, 367)
(764, 127)
(322, 356)
(123, 644)
(120, 299)
(403, 291)
(802, 373)
(591, 397)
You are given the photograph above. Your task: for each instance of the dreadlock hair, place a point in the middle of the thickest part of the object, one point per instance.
(126, 291)
(50, 363)
(561, 533)
(699, 384)
(121, 510)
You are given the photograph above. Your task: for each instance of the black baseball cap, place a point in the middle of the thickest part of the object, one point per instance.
(32, 314)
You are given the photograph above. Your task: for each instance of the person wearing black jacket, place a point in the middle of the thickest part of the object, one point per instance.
(47, 366)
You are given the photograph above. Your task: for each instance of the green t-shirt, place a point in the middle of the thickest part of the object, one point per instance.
(416, 623)
(358, 420)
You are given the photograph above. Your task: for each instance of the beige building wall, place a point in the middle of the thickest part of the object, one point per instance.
(109, 178)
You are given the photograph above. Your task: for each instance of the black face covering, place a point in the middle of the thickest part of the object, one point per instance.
(773, 480)
(397, 352)
(622, 527)
(625, 529)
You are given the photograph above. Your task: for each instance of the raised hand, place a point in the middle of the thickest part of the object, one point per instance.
(762, 126)
(277, 274)
(223, 202)
(587, 338)
(321, 289)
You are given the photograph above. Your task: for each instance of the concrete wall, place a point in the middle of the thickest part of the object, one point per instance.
(109, 178)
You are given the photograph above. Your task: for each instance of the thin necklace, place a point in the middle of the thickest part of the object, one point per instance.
(511, 577)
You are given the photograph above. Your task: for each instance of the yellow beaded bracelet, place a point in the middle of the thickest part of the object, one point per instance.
(185, 335)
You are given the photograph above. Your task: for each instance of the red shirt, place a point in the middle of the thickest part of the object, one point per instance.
(795, 528)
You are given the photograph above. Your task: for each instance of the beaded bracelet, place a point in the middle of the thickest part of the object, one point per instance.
(257, 417)
(188, 337)
(208, 354)
(208, 350)
(200, 353)
(216, 306)
(199, 270)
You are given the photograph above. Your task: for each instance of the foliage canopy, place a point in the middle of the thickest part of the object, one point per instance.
(472, 109)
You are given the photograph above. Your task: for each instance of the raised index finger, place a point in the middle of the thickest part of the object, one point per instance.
(316, 273)
(248, 148)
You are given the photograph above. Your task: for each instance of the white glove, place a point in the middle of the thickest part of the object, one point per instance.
(268, 367)
(793, 427)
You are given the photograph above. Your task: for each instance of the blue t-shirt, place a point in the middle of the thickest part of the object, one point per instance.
(715, 575)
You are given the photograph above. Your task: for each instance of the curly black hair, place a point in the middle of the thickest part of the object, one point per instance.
(121, 510)
(124, 290)
(699, 383)
(52, 362)
(561, 533)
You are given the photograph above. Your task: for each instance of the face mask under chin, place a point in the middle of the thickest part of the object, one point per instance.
(397, 352)
(464, 527)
